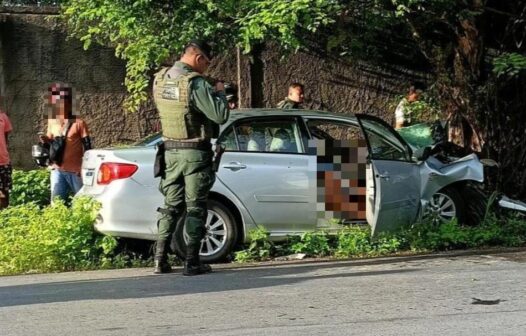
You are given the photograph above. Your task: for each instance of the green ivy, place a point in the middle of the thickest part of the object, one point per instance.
(509, 64)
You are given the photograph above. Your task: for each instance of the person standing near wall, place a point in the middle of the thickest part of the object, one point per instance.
(403, 116)
(5, 162)
(294, 98)
(190, 110)
(62, 122)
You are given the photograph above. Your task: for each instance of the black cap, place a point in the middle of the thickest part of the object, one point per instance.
(205, 48)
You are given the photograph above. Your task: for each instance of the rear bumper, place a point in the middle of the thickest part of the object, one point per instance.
(128, 210)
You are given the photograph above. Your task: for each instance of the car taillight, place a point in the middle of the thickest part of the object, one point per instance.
(109, 171)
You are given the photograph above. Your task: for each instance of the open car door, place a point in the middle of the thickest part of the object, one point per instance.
(394, 198)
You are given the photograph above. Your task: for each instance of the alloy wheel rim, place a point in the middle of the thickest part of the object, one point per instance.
(441, 208)
(215, 235)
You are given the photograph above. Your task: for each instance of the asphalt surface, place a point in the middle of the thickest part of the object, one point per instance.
(411, 296)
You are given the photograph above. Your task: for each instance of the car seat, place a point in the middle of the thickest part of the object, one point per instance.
(281, 142)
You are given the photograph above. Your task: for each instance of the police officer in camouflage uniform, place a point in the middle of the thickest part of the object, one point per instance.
(294, 98)
(190, 110)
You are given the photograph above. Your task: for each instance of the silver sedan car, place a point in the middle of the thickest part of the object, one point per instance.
(289, 171)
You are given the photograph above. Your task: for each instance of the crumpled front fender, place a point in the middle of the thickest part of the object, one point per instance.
(435, 175)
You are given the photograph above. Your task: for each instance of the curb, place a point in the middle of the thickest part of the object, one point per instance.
(373, 260)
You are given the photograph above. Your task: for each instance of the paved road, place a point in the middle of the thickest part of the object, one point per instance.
(430, 296)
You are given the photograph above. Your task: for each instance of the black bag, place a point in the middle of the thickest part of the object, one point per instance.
(159, 165)
(58, 145)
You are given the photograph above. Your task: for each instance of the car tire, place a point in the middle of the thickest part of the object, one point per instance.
(478, 202)
(219, 220)
(445, 205)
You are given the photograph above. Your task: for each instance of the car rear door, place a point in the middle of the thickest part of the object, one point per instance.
(394, 199)
(265, 165)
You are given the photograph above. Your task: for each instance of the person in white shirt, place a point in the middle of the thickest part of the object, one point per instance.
(403, 111)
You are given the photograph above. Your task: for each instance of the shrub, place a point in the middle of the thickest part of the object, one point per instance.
(386, 243)
(314, 244)
(356, 241)
(260, 248)
(353, 241)
(54, 238)
(30, 187)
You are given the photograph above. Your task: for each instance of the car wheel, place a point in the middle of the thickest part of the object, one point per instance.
(220, 237)
(445, 205)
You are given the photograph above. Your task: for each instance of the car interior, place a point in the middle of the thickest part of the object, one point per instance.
(264, 136)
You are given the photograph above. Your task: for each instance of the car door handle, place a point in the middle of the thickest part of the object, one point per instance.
(234, 166)
(384, 176)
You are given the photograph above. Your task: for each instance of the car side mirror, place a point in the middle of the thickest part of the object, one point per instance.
(421, 154)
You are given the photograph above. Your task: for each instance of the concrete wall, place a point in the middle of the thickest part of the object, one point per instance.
(34, 52)
(334, 84)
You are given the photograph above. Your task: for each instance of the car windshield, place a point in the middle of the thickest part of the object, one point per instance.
(149, 140)
(418, 135)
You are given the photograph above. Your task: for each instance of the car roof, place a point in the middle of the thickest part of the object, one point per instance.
(262, 112)
(242, 113)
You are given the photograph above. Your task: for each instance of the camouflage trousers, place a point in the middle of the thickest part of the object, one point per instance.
(186, 185)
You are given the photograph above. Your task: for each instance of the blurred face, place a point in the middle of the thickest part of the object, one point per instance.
(296, 94)
(413, 96)
(59, 101)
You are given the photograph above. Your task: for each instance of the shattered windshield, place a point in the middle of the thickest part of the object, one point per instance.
(418, 135)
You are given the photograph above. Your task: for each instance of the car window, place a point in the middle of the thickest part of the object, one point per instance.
(276, 136)
(323, 129)
(383, 142)
(228, 139)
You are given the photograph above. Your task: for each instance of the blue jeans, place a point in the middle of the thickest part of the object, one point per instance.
(64, 184)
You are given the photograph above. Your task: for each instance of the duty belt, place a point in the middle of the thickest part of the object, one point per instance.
(201, 145)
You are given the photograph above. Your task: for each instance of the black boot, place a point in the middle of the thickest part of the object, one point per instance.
(160, 261)
(192, 264)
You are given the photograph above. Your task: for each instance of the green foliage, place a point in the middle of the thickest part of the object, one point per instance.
(430, 236)
(356, 241)
(30, 187)
(507, 231)
(54, 238)
(509, 64)
(260, 248)
(29, 2)
(353, 241)
(313, 244)
(145, 33)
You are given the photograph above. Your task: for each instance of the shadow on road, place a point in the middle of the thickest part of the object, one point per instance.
(173, 284)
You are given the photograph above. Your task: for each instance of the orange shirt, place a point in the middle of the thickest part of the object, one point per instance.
(74, 151)
(5, 127)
